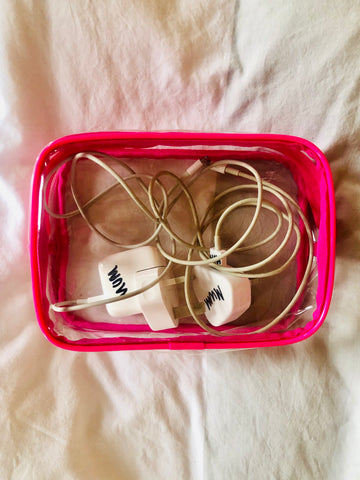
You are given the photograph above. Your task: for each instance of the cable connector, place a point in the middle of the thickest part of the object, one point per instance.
(218, 168)
(194, 167)
(225, 169)
(214, 252)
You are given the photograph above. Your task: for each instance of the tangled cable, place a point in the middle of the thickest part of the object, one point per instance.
(157, 210)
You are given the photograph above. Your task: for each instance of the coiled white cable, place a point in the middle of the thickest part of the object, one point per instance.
(158, 212)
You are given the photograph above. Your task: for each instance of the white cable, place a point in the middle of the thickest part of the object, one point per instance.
(158, 212)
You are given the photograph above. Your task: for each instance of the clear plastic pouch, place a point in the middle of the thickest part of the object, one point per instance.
(65, 252)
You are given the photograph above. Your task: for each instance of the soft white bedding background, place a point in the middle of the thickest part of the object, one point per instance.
(246, 66)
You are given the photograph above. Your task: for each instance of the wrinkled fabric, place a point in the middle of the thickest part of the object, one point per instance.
(244, 66)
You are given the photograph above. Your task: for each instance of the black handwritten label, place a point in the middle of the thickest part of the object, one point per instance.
(213, 255)
(117, 281)
(214, 294)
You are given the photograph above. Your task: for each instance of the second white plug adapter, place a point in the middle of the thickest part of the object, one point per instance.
(225, 297)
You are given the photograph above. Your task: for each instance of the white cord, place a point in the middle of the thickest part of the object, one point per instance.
(158, 212)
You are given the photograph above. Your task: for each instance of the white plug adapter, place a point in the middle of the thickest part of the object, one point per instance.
(225, 297)
(131, 270)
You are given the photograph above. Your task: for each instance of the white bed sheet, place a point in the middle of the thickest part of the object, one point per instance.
(247, 66)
